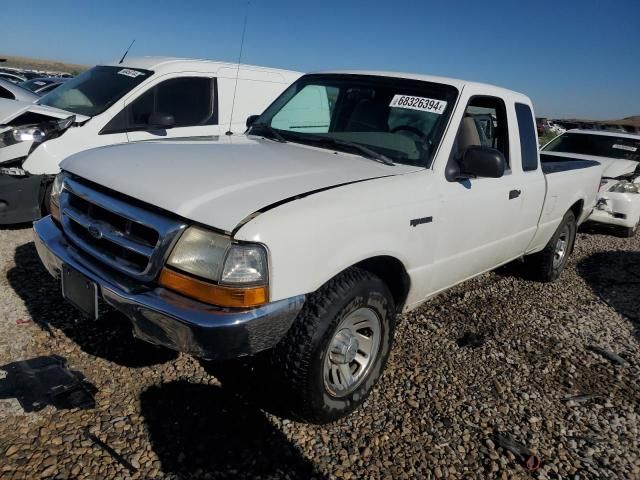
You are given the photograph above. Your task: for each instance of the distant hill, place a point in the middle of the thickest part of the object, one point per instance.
(41, 64)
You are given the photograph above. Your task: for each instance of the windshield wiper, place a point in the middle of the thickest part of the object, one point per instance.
(364, 151)
(275, 135)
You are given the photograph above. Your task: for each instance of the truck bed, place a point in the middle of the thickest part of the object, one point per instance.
(553, 164)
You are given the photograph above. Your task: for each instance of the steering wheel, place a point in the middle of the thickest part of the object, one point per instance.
(411, 129)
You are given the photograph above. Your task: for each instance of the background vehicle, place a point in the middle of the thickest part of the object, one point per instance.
(354, 196)
(12, 77)
(141, 99)
(619, 195)
(43, 85)
(12, 91)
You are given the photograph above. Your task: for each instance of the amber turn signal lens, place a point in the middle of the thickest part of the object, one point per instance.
(222, 296)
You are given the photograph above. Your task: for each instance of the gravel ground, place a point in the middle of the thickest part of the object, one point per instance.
(498, 354)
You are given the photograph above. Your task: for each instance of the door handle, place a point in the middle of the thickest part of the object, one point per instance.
(514, 194)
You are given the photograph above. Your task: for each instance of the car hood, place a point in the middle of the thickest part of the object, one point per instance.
(11, 109)
(221, 182)
(613, 167)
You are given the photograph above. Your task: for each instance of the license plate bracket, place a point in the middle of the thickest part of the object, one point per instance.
(81, 292)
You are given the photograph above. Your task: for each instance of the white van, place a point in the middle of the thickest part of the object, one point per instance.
(146, 98)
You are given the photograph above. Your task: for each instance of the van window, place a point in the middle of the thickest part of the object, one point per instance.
(528, 141)
(94, 91)
(191, 101)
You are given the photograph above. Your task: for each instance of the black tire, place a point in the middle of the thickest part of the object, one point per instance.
(541, 265)
(45, 206)
(628, 232)
(298, 361)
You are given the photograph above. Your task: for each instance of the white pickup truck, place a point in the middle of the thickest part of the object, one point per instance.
(618, 202)
(138, 99)
(355, 196)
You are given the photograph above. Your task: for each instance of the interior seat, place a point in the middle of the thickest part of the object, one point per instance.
(369, 116)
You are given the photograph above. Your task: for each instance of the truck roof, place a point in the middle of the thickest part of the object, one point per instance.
(606, 133)
(455, 82)
(171, 64)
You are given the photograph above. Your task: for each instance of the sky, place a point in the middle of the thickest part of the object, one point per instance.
(573, 58)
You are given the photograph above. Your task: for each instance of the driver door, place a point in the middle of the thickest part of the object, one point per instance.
(480, 216)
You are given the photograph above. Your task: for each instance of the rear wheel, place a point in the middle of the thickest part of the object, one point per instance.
(337, 348)
(548, 264)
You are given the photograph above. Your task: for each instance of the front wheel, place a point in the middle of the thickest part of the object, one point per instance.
(548, 264)
(628, 232)
(337, 348)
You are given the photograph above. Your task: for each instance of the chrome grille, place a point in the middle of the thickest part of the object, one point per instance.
(124, 236)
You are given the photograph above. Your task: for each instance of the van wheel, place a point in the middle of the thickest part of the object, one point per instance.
(337, 348)
(548, 264)
(629, 232)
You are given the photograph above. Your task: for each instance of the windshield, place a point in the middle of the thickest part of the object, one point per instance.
(598, 145)
(95, 90)
(394, 119)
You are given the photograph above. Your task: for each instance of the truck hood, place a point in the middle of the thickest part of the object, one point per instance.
(613, 167)
(221, 182)
(11, 109)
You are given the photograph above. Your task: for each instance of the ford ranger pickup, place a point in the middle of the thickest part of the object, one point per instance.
(355, 196)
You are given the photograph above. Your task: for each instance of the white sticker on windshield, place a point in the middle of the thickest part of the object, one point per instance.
(40, 83)
(419, 103)
(130, 73)
(628, 148)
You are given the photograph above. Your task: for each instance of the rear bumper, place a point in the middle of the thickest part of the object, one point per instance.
(165, 318)
(20, 198)
(620, 209)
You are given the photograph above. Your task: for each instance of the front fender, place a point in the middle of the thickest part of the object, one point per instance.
(312, 239)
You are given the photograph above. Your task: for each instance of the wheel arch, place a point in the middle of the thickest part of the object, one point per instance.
(392, 272)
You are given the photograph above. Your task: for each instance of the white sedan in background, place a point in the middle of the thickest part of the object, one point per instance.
(13, 91)
(619, 194)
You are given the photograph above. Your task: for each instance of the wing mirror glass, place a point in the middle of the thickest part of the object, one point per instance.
(161, 121)
(480, 161)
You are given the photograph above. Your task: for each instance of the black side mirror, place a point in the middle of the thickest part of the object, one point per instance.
(161, 121)
(251, 119)
(479, 161)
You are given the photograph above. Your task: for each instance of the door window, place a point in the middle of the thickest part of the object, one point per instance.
(485, 124)
(191, 101)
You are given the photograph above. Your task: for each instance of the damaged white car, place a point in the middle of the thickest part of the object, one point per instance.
(619, 195)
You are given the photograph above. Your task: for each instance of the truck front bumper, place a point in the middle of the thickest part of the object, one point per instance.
(620, 209)
(166, 318)
(20, 198)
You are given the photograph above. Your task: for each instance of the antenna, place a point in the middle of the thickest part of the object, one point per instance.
(235, 87)
(127, 51)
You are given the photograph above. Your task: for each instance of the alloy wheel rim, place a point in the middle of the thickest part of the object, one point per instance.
(561, 248)
(352, 351)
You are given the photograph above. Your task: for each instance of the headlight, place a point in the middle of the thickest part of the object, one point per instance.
(54, 198)
(36, 133)
(625, 187)
(216, 270)
(200, 252)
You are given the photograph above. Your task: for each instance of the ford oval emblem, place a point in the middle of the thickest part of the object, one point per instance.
(94, 231)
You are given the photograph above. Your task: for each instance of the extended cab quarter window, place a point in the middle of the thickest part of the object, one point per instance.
(191, 101)
(528, 139)
(484, 123)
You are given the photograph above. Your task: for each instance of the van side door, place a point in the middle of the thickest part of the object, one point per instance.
(191, 99)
